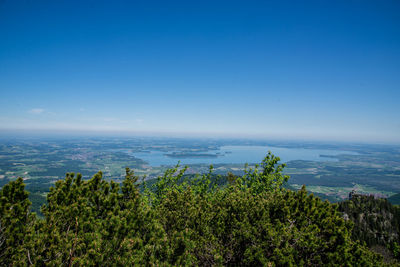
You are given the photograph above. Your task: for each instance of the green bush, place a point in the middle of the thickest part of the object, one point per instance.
(249, 220)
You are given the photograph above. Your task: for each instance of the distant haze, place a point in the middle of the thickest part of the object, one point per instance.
(314, 70)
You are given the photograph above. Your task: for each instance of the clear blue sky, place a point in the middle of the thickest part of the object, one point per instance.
(282, 69)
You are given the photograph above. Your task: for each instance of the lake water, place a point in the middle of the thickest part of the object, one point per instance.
(241, 154)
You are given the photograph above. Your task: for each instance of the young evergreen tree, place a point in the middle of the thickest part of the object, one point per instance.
(15, 219)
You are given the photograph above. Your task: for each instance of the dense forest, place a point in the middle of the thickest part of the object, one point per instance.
(249, 220)
(376, 223)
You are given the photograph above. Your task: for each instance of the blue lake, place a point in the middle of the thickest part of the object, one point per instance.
(240, 154)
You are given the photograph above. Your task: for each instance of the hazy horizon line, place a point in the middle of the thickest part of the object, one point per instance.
(37, 133)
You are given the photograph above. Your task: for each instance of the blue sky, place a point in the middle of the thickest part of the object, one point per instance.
(324, 70)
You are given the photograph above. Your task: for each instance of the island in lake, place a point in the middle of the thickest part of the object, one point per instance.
(191, 155)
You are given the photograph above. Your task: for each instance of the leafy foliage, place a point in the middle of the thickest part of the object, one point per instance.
(248, 220)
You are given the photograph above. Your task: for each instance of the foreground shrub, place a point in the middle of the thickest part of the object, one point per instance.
(250, 220)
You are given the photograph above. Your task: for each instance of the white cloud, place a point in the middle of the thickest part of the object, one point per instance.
(36, 111)
(110, 119)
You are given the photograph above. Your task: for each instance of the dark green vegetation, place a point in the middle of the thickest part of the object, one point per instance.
(395, 199)
(252, 220)
(376, 222)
